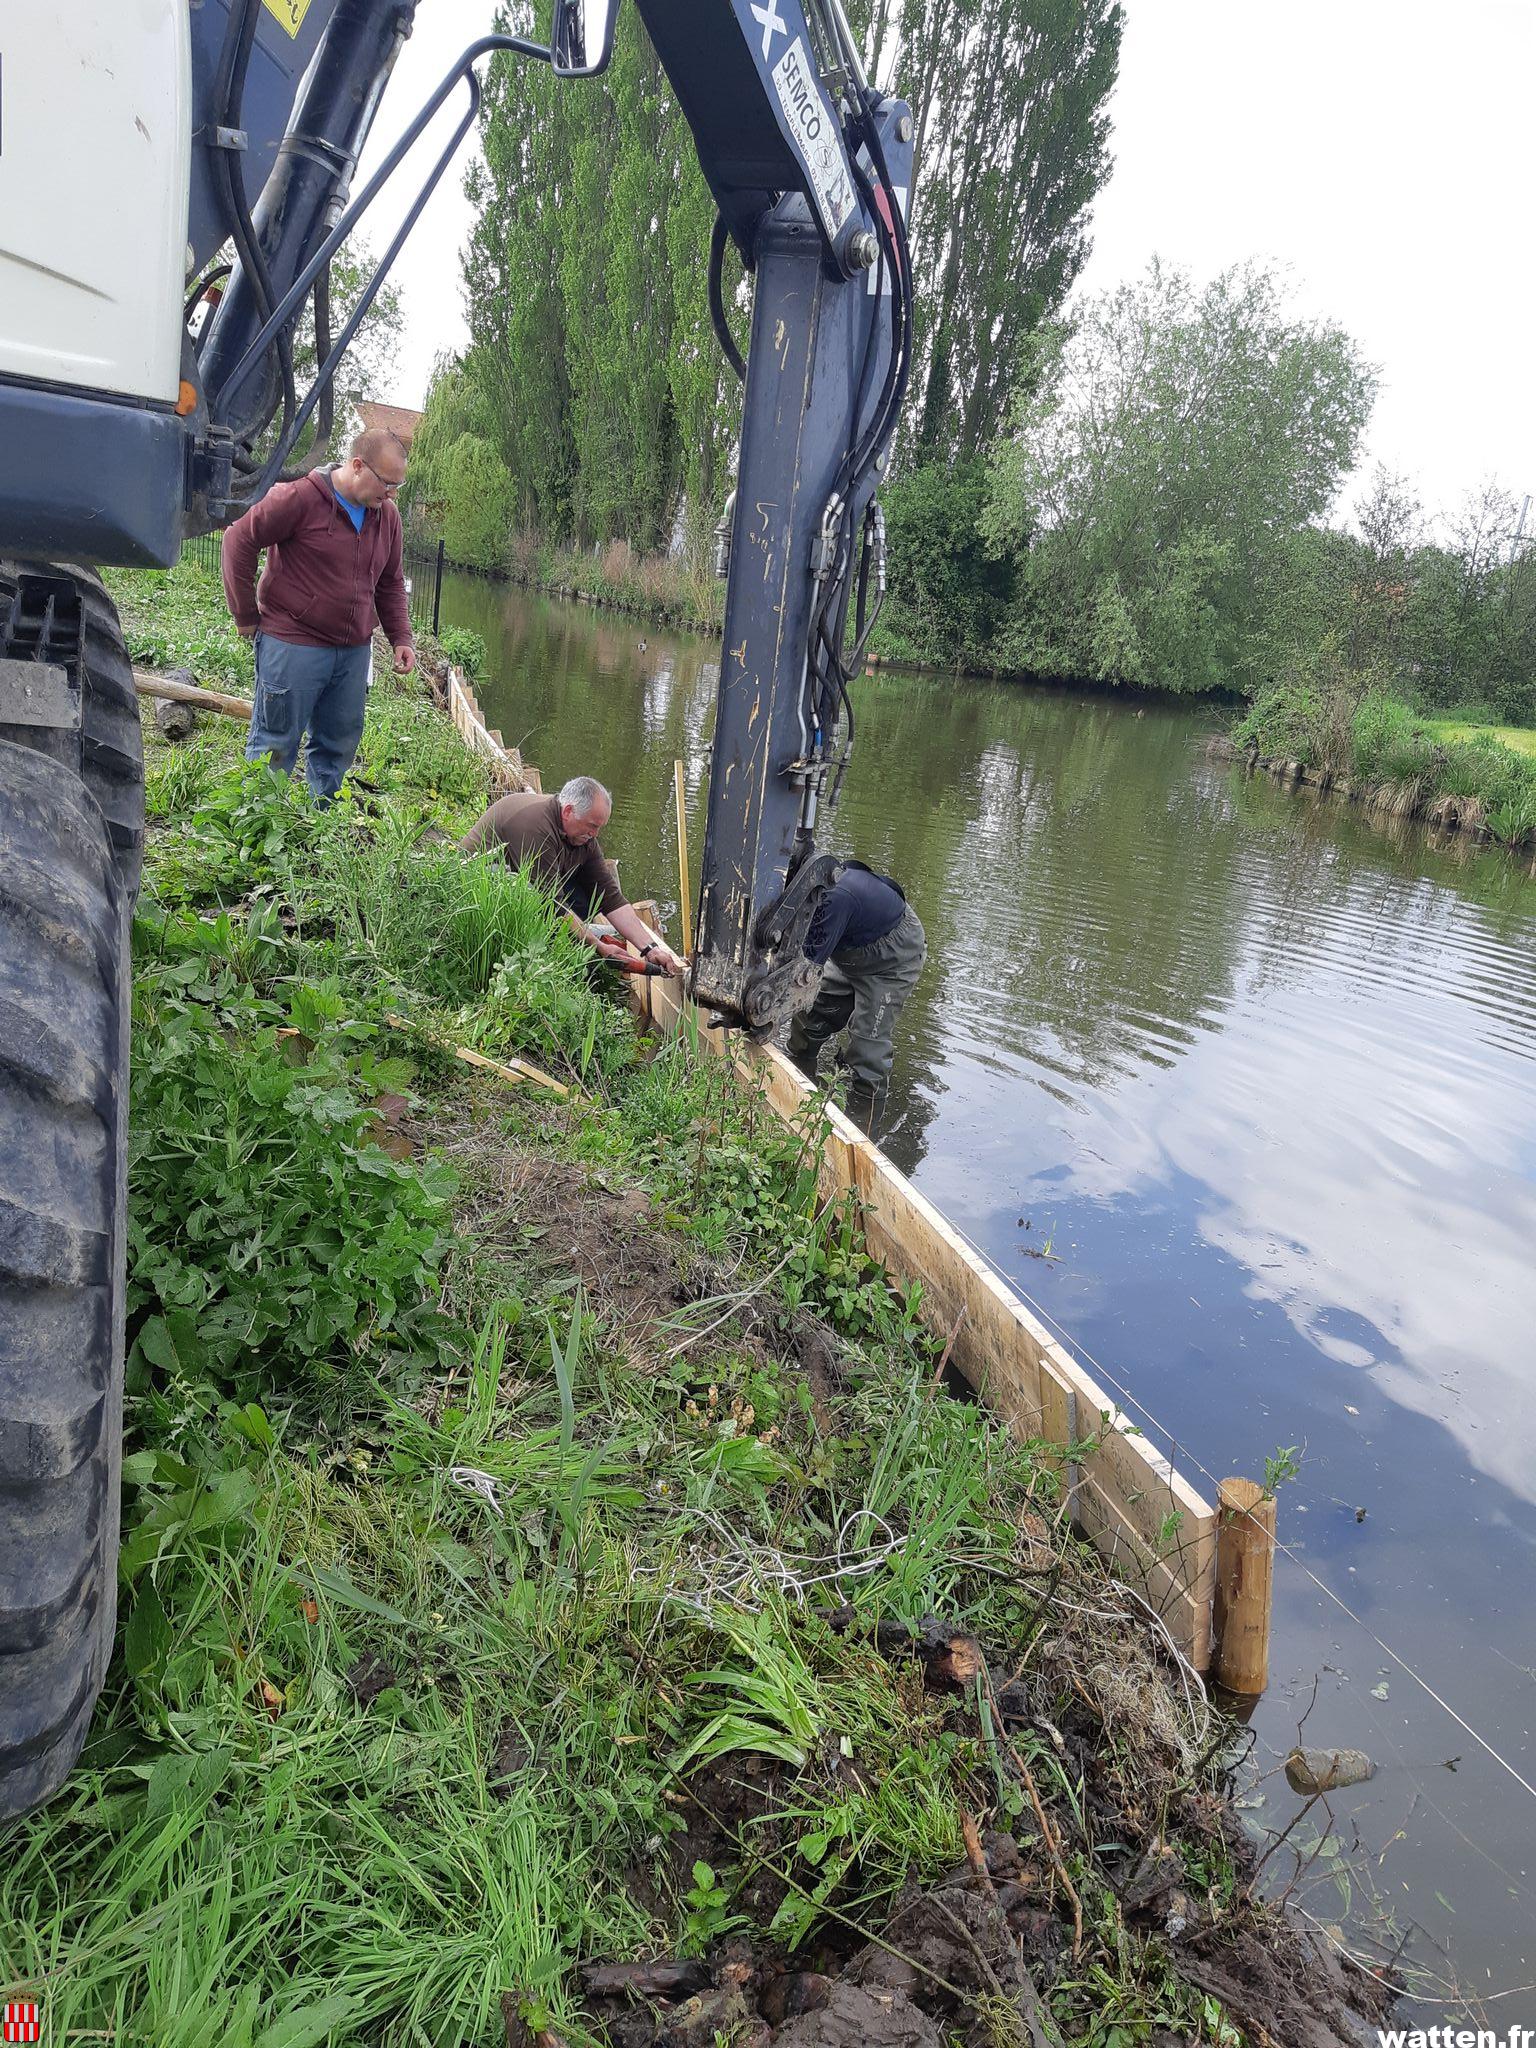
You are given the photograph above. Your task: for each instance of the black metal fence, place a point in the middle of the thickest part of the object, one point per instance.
(424, 582)
(206, 552)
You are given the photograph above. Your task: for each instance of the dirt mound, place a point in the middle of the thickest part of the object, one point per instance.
(972, 1960)
(531, 1206)
(975, 1958)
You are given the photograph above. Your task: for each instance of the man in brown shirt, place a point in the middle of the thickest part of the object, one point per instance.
(558, 836)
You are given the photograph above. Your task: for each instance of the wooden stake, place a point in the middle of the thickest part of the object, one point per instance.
(510, 1070)
(1245, 1571)
(680, 787)
(149, 685)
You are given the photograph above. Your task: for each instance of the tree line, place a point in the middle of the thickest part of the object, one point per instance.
(1133, 489)
(592, 402)
(1157, 512)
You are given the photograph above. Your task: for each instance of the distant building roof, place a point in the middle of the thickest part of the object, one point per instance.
(396, 419)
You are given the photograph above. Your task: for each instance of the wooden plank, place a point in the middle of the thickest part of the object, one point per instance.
(469, 723)
(510, 1070)
(1143, 1517)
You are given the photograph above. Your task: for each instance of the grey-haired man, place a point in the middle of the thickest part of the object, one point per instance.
(559, 835)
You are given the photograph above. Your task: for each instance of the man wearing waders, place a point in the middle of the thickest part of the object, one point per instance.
(869, 944)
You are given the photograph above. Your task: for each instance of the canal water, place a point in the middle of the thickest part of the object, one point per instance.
(1238, 1086)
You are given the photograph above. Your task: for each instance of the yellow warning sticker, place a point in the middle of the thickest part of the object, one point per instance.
(290, 13)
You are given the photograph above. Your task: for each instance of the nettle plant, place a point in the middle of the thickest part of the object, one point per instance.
(273, 1244)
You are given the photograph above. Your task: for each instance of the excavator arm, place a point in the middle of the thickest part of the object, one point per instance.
(811, 170)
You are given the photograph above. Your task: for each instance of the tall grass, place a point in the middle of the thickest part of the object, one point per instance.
(1402, 762)
(675, 590)
(423, 917)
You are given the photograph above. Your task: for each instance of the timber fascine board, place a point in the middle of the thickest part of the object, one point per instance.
(1149, 1524)
(1140, 1513)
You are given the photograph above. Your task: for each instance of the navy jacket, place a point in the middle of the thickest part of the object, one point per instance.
(859, 908)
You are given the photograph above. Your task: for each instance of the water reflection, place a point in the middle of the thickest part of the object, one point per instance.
(1259, 1070)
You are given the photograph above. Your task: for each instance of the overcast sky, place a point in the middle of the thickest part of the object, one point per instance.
(1371, 146)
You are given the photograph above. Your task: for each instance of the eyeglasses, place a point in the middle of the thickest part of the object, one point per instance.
(384, 480)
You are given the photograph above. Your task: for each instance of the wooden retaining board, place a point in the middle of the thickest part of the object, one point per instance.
(469, 723)
(1151, 1526)
(1156, 1531)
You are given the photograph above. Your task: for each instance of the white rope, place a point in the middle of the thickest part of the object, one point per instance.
(483, 1484)
(749, 1563)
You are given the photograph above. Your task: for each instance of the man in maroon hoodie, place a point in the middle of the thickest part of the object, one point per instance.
(333, 565)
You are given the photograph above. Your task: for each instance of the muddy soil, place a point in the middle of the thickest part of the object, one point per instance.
(973, 1960)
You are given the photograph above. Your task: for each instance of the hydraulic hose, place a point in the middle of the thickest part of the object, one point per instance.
(228, 98)
(717, 314)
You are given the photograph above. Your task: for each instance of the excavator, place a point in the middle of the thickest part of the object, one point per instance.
(176, 178)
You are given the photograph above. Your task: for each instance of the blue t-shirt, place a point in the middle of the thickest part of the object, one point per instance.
(859, 908)
(354, 512)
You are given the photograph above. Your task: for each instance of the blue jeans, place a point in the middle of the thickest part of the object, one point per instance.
(321, 690)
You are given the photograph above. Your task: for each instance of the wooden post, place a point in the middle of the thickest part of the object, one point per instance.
(150, 685)
(1245, 1572)
(680, 786)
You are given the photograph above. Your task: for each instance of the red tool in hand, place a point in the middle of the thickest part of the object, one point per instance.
(630, 963)
(617, 954)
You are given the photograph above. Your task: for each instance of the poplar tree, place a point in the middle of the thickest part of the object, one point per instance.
(1009, 102)
(586, 270)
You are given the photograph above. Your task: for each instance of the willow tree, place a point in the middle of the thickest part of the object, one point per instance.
(1167, 450)
(585, 280)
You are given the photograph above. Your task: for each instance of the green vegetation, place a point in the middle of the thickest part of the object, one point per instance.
(465, 649)
(1357, 734)
(1154, 515)
(178, 620)
(1137, 487)
(593, 403)
(658, 587)
(1522, 739)
(1166, 450)
(1001, 207)
(514, 1494)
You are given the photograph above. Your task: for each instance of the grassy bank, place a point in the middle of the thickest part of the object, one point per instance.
(666, 590)
(658, 587)
(545, 1541)
(1521, 738)
(1376, 748)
